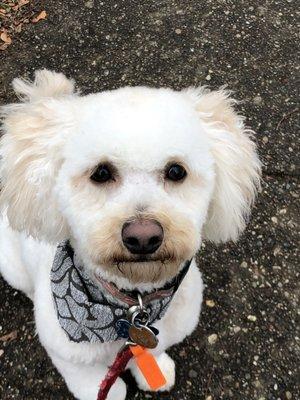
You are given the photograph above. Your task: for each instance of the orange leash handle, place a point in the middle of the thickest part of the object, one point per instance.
(148, 367)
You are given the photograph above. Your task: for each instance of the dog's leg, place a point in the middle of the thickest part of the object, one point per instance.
(167, 367)
(12, 266)
(83, 380)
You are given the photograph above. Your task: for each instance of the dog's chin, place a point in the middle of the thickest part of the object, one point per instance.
(142, 268)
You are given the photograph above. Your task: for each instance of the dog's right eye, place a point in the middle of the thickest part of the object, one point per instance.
(102, 174)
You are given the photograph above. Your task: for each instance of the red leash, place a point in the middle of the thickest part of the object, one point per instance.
(119, 365)
(142, 337)
(145, 362)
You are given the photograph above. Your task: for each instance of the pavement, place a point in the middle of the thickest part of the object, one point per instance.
(246, 346)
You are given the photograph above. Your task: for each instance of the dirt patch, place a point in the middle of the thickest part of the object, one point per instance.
(14, 16)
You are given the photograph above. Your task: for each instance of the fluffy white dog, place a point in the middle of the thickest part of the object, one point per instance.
(122, 186)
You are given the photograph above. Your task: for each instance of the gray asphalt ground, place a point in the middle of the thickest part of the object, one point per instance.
(246, 346)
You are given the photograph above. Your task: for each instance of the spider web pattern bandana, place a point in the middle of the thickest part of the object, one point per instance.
(85, 311)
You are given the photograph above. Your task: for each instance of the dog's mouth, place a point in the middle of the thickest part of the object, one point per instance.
(141, 268)
(140, 259)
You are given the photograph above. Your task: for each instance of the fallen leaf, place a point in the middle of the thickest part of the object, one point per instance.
(23, 2)
(5, 38)
(41, 15)
(3, 46)
(18, 28)
(1, 352)
(4, 6)
(9, 337)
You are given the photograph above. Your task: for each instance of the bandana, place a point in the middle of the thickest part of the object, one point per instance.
(88, 312)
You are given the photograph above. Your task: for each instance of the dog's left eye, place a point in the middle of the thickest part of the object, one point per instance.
(102, 174)
(175, 172)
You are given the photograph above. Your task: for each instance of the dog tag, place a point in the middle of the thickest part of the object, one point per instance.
(143, 336)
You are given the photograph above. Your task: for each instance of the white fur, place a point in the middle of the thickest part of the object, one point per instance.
(55, 138)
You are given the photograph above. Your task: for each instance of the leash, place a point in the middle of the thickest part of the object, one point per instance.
(146, 363)
(119, 365)
(143, 337)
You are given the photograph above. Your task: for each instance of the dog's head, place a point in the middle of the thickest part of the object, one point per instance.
(136, 177)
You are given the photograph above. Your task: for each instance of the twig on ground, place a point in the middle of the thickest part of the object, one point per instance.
(286, 116)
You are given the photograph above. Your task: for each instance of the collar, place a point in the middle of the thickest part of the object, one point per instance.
(88, 312)
(130, 297)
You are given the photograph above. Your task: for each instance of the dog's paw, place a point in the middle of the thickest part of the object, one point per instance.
(118, 391)
(167, 367)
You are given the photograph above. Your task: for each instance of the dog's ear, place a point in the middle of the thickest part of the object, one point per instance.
(237, 166)
(30, 152)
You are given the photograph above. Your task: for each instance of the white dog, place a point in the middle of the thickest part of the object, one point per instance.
(128, 183)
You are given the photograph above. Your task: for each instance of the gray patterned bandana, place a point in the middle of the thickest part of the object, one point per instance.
(88, 312)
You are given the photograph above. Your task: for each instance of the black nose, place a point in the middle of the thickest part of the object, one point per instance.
(142, 236)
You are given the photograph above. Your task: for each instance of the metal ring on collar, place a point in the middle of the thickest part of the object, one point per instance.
(140, 318)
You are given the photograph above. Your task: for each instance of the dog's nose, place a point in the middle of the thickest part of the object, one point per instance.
(142, 236)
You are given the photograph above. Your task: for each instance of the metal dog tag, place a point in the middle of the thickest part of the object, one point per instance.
(143, 336)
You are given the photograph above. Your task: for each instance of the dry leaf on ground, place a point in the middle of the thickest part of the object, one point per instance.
(5, 37)
(41, 15)
(14, 16)
(9, 337)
